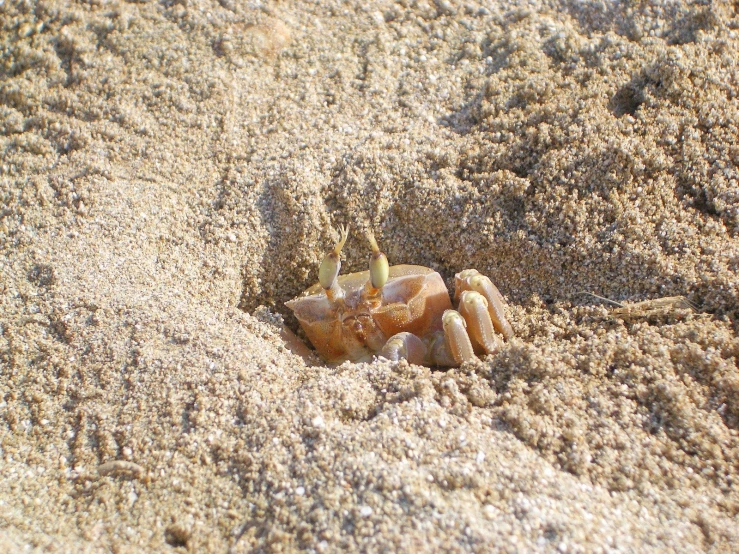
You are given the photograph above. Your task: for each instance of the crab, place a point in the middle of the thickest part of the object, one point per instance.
(400, 312)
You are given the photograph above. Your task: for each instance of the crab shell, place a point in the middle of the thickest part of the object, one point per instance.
(413, 300)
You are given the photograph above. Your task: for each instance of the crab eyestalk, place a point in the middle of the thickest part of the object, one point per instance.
(331, 264)
(379, 267)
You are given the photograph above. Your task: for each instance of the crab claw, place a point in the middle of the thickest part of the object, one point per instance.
(405, 346)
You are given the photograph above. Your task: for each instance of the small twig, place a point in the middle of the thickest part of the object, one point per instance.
(647, 308)
(602, 298)
(116, 467)
(658, 306)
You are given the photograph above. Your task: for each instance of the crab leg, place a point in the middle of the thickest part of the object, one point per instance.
(473, 307)
(457, 339)
(473, 280)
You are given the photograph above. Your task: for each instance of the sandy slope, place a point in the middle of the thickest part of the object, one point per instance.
(171, 174)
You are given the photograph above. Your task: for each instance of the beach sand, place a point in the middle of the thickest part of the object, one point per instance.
(173, 172)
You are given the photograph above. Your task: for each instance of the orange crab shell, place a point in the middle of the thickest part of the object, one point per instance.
(413, 300)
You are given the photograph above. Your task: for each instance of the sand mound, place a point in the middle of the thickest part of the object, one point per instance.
(173, 172)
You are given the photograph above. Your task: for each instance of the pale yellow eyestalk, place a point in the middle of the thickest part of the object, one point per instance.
(379, 266)
(331, 264)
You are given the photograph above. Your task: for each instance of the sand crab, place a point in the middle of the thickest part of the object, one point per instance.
(401, 311)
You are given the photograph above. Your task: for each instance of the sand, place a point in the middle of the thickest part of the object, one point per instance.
(172, 173)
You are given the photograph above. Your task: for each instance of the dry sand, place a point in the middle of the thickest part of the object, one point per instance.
(172, 172)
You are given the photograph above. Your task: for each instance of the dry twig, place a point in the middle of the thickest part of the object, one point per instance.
(657, 307)
(117, 467)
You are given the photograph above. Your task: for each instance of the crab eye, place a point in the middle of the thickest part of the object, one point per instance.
(379, 267)
(379, 270)
(331, 264)
(329, 270)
